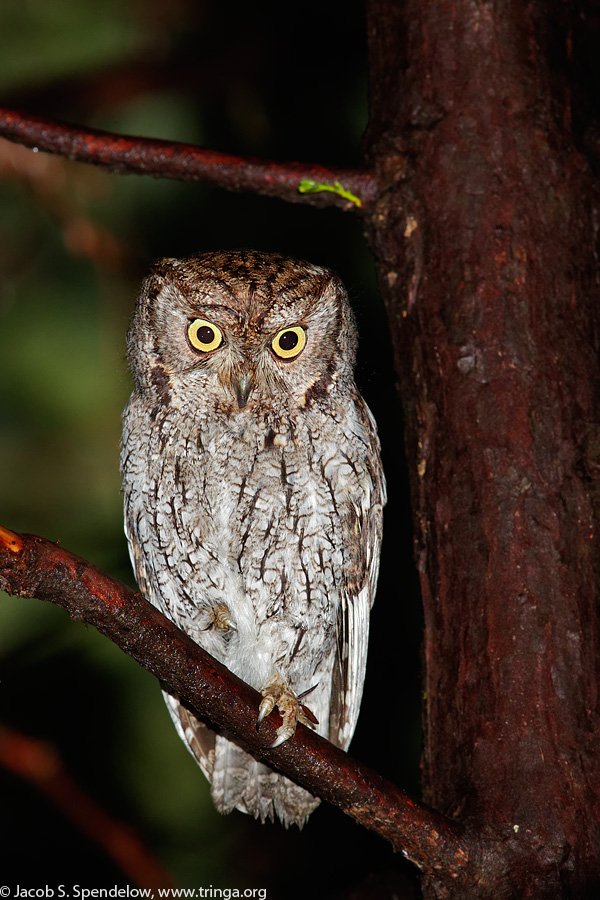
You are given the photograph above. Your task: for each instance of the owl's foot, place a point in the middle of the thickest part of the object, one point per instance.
(219, 618)
(222, 617)
(278, 694)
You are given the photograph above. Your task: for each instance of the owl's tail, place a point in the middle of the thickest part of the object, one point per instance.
(237, 780)
(240, 782)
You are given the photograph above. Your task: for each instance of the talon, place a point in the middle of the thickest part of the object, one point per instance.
(222, 617)
(281, 738)
(290, 714)
(307, 716)
(291, 710)
(309, 691)
(219, 618)
(267, 705)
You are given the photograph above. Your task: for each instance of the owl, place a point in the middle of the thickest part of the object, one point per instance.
(253, 494)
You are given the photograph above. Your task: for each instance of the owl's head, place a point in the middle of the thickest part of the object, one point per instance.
(235, 328)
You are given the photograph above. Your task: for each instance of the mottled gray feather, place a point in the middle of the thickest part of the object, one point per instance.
(255, 527)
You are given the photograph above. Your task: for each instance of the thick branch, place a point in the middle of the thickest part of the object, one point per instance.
(185, 162)
(33, 566)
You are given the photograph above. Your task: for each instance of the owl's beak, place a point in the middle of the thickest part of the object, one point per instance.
(243, 388)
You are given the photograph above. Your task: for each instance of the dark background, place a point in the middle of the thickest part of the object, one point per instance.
(74, 245)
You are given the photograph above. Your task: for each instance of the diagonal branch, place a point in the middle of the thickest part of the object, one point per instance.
(127, 155)
(33, 566)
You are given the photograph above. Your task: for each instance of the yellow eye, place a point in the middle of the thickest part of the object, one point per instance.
(289, 342)
(204, 335)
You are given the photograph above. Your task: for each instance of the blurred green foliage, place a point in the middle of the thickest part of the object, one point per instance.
(74, 244)
(45, 40)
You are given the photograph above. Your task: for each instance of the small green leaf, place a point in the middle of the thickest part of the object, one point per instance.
(307, 186)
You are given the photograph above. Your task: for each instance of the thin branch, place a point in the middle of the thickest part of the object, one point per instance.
(185, 162)
(32, 566)
(39, 763)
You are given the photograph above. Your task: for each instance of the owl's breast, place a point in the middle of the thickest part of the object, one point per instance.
(269, 499)
(253, 514)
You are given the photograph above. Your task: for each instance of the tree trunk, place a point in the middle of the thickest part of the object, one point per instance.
(486, 245)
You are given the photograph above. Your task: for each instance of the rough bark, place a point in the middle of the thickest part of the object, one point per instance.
(485, 239)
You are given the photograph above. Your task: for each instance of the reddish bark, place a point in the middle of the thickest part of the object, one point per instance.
(32, 566)
(485, 240)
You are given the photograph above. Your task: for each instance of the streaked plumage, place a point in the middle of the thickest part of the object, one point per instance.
(253, 495)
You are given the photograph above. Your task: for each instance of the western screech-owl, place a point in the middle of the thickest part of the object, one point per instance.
(253, 496)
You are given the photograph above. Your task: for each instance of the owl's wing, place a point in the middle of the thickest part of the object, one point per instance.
(145, 559)
(199, 739)
(362, 544)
